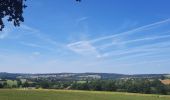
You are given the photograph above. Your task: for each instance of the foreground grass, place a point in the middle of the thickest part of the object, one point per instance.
(73, 95)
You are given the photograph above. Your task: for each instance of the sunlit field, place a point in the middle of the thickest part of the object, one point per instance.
(73, 95)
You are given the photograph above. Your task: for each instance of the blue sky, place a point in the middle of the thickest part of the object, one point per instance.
(114, 36)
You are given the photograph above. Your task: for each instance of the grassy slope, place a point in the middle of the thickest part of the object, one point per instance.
(73, 95)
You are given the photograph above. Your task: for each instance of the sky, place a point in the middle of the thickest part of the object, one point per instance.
(108, 36)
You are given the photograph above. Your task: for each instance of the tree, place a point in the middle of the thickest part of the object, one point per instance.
(26, 84)
(45, 84)
(13, 9)
(1, 85)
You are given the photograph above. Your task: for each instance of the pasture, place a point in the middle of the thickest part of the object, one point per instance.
(16, 94)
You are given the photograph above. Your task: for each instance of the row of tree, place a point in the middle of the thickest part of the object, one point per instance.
(13, 84)
(131, 85)
(147, 86)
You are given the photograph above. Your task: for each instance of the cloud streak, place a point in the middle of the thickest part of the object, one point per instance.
(4, 34)
(82, 19)
(145, 27)
(103, 48)
(135, 41)
(150, 49)
(83, 48)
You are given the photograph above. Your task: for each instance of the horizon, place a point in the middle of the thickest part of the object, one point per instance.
(108, 36)
(90, 73)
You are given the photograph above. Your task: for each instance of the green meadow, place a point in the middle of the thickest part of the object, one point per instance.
(16, 94)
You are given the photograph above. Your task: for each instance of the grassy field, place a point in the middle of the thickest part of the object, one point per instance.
(73, 95)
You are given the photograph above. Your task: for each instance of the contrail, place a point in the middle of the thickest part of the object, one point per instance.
(131, 31)
(137, 40)
(148, 47)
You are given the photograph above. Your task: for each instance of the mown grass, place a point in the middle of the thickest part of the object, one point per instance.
(15, 94)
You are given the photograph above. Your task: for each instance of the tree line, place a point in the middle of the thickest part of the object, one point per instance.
(146, 86)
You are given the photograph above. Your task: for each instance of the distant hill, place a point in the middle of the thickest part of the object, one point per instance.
(77, 76)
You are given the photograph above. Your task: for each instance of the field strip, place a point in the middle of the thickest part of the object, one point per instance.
(95, 92)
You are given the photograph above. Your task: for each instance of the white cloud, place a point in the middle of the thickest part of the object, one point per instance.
(39, 36)
(83, 48)
(152, 49)
(31, 44)
(145, 27)
(28, 29)
(94, 46)
(135, 40)
(82, 19)
(4, 34)
(36, 53)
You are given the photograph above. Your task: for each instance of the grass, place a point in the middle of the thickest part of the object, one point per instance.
(16, 94)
